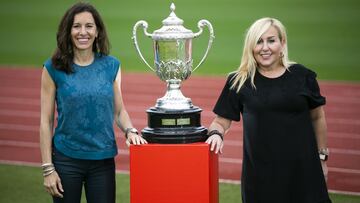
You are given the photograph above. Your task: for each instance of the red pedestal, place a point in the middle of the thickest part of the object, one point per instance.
(176, 173)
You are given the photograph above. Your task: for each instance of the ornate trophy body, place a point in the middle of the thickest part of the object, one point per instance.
(173, 119)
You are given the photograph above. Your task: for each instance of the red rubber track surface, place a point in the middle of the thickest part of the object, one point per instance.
(20, 117)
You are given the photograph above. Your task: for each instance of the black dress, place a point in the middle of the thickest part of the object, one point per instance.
(280, 158)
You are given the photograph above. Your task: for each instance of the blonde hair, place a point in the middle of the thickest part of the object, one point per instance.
(248, 64)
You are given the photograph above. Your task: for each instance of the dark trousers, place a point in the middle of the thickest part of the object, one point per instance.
(97, 177)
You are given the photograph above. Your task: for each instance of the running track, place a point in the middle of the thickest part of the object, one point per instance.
(20, 115)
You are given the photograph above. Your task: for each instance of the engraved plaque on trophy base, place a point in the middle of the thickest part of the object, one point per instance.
(174, 126)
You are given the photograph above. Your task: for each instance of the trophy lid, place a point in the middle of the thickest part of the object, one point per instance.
(172, 28)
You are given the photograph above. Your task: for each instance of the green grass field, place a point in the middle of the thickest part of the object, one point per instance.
(21, 184)
(322, 33)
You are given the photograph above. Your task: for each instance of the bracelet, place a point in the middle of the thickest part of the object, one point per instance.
(213, 132)
(324, 154)
(130, 130)
(324, 151)
(48, 168)
(47, 165)
(47, 173)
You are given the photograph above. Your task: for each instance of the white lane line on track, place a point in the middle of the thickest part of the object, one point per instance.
(230, 160)
(233, 143)
(37, 164)
(347, 109)
(122, 151)
(345, 151)
(35, 128)
(345, 98)
(20, 127)
(343, 121)
(227, 160)
(37, 145)
(19, 100)
(343, 170)
(345, 192)
(20, 163)
(20, 113)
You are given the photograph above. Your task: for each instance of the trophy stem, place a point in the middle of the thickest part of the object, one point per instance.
(173, 100)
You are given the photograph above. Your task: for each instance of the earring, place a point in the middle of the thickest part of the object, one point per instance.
(281, 54)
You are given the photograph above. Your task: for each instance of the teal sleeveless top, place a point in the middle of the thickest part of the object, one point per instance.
(85, 106)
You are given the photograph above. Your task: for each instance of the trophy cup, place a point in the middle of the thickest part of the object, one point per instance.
(173, 119)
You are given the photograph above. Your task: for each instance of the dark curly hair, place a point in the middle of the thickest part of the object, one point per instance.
(63, 57)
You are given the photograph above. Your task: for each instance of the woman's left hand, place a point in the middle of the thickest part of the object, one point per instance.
(135, 139)
(325, 169)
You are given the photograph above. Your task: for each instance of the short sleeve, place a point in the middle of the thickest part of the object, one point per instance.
(50, 69)
(115, 65)
(228, 104)
(314, 97)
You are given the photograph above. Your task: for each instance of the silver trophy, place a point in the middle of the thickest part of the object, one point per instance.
(173, 57)
(174, 119)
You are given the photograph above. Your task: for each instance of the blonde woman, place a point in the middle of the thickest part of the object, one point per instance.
(284, 128)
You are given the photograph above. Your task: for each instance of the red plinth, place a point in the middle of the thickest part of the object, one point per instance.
(176, 173)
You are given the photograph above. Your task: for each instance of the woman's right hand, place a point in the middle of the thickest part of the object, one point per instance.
(135, 139)
(53, 185)
(216, 143)
(217, 130)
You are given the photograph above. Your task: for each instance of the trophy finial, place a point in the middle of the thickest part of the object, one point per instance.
(172, 7)
(172, 19)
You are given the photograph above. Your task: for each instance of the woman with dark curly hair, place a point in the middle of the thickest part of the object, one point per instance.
(85, 84)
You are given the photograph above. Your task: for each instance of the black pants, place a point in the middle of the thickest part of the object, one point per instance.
(97, 176)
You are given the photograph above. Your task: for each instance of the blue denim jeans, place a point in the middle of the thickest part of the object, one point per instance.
(97, 177)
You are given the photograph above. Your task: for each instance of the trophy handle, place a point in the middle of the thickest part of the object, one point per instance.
(201, 24)
(144, 24)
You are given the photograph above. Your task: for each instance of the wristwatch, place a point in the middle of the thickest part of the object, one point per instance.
(130, 130)
(324, 154)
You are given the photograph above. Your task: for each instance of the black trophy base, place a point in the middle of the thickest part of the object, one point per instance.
(174, 127)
